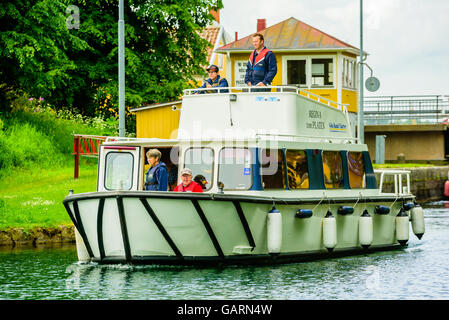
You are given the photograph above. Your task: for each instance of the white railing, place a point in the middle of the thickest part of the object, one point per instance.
(312, 96)
(397, 174)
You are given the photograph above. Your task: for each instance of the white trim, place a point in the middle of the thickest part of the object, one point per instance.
(284, 67)
(339, 76)
(308, 59)
(216, 45)
(295, 50)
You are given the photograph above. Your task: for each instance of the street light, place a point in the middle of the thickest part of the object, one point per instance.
(121, 69)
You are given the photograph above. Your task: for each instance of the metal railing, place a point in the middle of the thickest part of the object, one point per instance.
(269, 89)
(399, 189)
(427, 109)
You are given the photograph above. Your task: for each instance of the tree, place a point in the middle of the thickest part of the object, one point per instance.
(78, 67)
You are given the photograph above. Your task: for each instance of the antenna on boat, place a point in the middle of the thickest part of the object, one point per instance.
(121, 69)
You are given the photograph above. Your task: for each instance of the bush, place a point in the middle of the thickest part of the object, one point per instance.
(35, 135)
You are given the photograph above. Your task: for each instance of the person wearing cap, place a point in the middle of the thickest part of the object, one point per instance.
(262, 66)
(214, 81)
(156, 176)
(187, 185)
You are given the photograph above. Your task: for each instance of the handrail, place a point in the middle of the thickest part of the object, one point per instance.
(229, 90)
(398, 189)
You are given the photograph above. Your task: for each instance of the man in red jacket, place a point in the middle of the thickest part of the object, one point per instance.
(187, 184)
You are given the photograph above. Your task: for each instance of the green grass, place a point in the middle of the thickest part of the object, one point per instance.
(401, 165)
(33, 197)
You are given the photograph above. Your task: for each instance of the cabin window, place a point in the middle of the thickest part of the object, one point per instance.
(119, 171)
(234, 168)
(201, 162)
(272, 168)
(349, 73)
(356, 170)
(322, 72)
(296, 72)
(297, 169)
(333, 170)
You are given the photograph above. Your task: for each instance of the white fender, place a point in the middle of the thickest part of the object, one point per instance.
(83, 255)
(274, 231)
(329, 231)
(402, 227)
(418, 225)
(365, 229)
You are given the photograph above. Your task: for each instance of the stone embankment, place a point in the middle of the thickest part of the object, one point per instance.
(20, 237)
(426, 183)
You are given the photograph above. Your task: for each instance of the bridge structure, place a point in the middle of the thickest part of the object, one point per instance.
(415, 127)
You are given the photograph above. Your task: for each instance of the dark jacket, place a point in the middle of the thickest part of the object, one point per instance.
(261, 67)
(157, 178)
(218, 82)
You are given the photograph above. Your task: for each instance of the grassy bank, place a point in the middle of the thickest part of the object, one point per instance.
(36, 163)
(33, 197)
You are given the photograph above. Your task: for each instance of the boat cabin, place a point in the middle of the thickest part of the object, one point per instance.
(242, 141)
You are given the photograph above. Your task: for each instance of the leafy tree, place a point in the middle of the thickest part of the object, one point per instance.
(43, 55)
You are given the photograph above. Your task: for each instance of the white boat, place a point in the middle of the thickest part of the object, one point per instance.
(287, 181)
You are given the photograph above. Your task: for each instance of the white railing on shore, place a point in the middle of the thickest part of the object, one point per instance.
(398, 188)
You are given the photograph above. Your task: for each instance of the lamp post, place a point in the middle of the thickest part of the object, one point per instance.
(360, 126)
(121, 69)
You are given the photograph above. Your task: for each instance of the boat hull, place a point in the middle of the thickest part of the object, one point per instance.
(204, 229)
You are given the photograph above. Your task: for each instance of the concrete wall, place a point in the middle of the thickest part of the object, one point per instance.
(416, 142)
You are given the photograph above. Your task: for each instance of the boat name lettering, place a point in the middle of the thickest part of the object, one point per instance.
(314, 114)
(315, 125)
(340, 126)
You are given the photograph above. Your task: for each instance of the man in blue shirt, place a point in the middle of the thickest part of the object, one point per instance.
(261, 67)
(214, 81)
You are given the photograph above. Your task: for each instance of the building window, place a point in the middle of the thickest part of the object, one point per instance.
(201, 162)
(296, 72)
(272, 168)
(119, 171)
(322, 72)
(297, 169)
(332, 170)
(234, 168)
(356, 170)
(349, 73)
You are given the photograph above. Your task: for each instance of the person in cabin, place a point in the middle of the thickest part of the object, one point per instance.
(156, 178)
(173, 176)
(261, 67)
(201, 180)
(187, 185)
(214, 81)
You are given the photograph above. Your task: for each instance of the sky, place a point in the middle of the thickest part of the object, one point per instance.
(407, 40)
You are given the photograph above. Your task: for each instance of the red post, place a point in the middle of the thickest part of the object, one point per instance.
(77, 156)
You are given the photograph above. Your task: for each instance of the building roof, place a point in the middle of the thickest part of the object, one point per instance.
(291, 35)
(210, 34)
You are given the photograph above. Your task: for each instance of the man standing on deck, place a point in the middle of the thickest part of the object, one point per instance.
(261, 67)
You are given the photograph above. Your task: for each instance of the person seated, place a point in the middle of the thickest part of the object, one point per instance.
(214, 81)
(187, 185)
(201, 180)
(156, 178)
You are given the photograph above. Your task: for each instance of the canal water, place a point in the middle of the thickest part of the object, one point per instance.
(420, 271)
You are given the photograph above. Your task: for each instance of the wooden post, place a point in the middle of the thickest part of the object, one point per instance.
(77, 156)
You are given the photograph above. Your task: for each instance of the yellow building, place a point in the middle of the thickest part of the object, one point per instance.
(306, 57)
